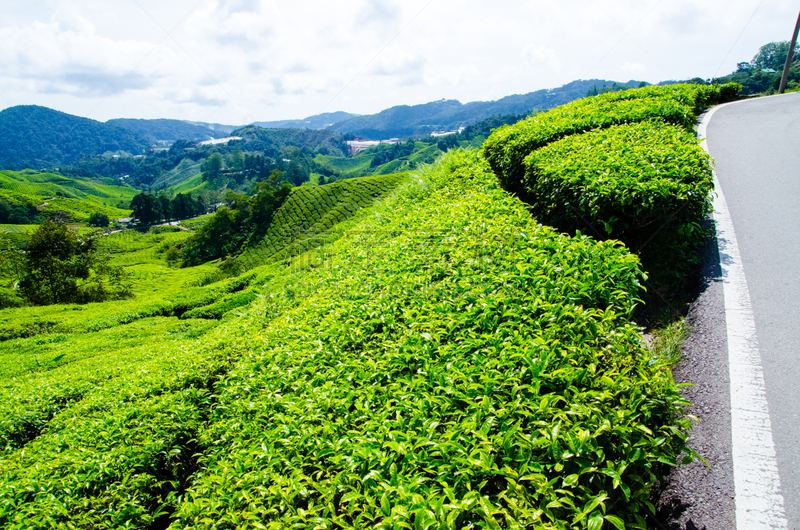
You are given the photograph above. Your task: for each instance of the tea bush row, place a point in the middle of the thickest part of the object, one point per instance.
(39, 379)
(679, 104)
(310, 212)
(110, 433)
(174, 300)
(647, 184)
(455, 365)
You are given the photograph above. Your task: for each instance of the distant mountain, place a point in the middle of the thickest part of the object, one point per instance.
(37, 137)
(318, 121)
(168, 131)
(224, 130)
(273, 142)
(418, 120)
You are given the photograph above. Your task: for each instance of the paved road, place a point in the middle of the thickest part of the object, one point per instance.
(756, 147)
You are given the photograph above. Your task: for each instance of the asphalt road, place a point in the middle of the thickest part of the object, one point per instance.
(756, 148)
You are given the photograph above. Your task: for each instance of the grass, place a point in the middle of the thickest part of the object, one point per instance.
(666, 342)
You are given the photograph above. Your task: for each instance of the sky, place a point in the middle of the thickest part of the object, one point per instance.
(240, 61)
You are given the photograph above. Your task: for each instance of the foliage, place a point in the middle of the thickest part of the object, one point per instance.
(435, 367)
(440, 367)
(387, 152)
(773, 55)
(37, 137)
(763, 73)
(313, 216)
(99, 220)
(242, 219)
(149, 209)
(18, 214)
(676, 104)
(61, 267)
(273, 143)
(647, 184)
(424, 381)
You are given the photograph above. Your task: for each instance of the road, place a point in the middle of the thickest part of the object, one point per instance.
(743, 356)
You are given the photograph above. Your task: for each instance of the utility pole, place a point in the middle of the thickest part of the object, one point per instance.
(785, 77)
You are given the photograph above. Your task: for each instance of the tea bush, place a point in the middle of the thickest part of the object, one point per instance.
(453, 365)
(310, 213)
(677, 104)
(447, 362)
(647, 184)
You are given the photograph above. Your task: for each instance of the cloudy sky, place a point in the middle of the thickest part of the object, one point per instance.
(239, 61)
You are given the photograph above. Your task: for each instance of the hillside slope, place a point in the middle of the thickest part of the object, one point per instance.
(166, 131)
(78, 197)
(37, 137)
(318, 121)
(446, 363)
(313, 216)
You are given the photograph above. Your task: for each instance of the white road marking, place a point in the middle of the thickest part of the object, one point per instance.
(757, 488)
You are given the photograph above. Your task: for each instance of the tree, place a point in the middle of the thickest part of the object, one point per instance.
(146, 208)
(61, 267)
(237, 159)
(773, 56)
(166, 207)
(212, 166)
(99, 220)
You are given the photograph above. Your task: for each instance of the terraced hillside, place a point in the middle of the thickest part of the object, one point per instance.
(308, 216)
(623, 165)
(79, 197)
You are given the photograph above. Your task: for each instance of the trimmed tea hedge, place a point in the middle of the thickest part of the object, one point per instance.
(311, 212)
(647, 184)
(677, 104)
(455, 365)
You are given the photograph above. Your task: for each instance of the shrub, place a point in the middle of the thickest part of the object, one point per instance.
(99, 220)
(450, 367)
(677, 104)
(646, 184)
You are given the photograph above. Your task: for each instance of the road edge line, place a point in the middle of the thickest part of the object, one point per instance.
(757, 492)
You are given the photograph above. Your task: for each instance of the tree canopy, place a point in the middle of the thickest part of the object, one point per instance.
(773, 55)
(241, 220)
(59, 266)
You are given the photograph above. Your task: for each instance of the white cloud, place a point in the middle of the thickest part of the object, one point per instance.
(538, 57)
(235, 61)
(633, 67)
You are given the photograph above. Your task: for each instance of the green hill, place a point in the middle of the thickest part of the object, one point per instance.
(78, 197)
(37, 137)
(166, 131)
(272, 142)
(446, 361)
(318, 121)
(312, 216)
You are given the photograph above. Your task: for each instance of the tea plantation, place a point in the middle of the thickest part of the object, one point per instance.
(405, 351)
(78, 197)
